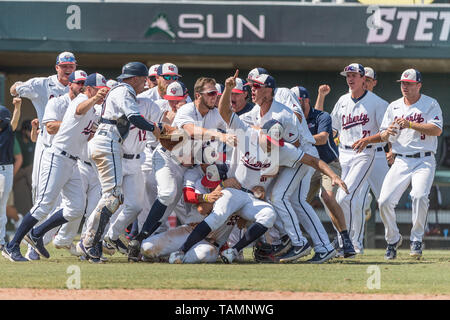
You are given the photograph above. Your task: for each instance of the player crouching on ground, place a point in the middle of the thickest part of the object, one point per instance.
(203, 185)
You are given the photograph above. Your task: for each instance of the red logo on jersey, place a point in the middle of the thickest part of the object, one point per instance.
(416, 117)
(350, 121)
(252, 163)
(290, 134)
(436, 118)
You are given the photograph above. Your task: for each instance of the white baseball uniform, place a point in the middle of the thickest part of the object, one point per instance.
(133, 180)
(60, 169)
(40, 90)
(355, 119)
(418, 169)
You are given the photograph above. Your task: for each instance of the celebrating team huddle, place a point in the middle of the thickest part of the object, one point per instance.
(127, 154)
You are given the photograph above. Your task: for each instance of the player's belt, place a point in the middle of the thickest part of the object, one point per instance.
(246, 190)
(379, 149)
(103, 120)
(131, 156)
(415, 155)
(68, 155)
(350, 148)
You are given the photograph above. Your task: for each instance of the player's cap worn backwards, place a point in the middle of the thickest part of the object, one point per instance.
(300, 92)
(176, 91)
(153, 70)
(369, 72)
(264, 80)
(214, 174)
(133, 69)
(95, 80)
(411, 75)
(77, 76)
(168, 69)
(274, 132)
(240, 86)
(354, 67)
(220, 87)
(66, 58)
(256, 72)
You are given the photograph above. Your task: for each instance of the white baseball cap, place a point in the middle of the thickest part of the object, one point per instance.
(214, 174)
(111, 83)
(274, 131)
(369, 72)
(77, 75)
(411, 75)
(95, 80)
(240, 86)
(220, 87)
(256, 72)
(168, 69)
(176, 91)
(354, 67)
(153, 70)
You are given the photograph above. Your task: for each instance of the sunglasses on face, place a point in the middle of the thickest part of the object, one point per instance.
(258, 86)
(152, 78)
(211, 93)
(80, 82)
(170, 78)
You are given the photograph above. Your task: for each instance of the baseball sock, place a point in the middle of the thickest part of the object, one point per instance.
(197, 235)
(55, 220)
(255, 231)
(344, 235)
(134, 230)
(27, 224)
(155, 214)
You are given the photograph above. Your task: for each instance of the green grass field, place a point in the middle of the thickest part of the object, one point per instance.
(430, 275)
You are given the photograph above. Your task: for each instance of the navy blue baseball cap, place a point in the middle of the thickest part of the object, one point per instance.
(95, 80)
(354, 67)
(5, 114)
(256, 72)
(274, 131)
(411, 75)
(300, 92)
(264, 80)
(215, 173)
(78, 75)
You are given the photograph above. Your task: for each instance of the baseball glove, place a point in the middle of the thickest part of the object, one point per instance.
(171, 136)
(263, 253)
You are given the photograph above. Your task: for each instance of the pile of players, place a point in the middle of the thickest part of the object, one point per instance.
(126, 155)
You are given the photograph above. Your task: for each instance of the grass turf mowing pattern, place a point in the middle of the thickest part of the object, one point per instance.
(430, 275)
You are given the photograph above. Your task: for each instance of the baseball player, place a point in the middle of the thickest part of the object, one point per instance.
(319, 123)
(120, 110)
(196, 119)
(152, 74)
(356, 115)
(200, 192)
(379, 171)
(133, 179)
(60, 172)
(39, 91)
(8, 125)
(412, 124)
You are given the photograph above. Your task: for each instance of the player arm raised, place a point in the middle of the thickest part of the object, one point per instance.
(323, 91)
(86, 105)
(16, 114)
(34, 130)
(225, 99)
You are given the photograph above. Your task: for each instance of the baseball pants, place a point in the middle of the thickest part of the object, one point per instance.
(6, 183)
(356, 168)
(419, 172)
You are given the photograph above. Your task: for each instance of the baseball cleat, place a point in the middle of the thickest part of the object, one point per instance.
(322, 257)
(13, 254)
(88, 252)
(134, 251)
(416, 249)
(37, 244)
(283, 247)
(71, 248)
(116, 244)
(296, 252)
(228, 255)
(176, 257)
(107, 248)
(31, 254)
(348, 249)
(391, 250)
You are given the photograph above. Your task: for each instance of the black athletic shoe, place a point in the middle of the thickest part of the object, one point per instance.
(322, 257)
(391, 250)
(296, 252)
(283, 247)
(349, 250)
(37, 244)
(134, 251)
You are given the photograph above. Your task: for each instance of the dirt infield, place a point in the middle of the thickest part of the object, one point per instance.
(146, 294)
